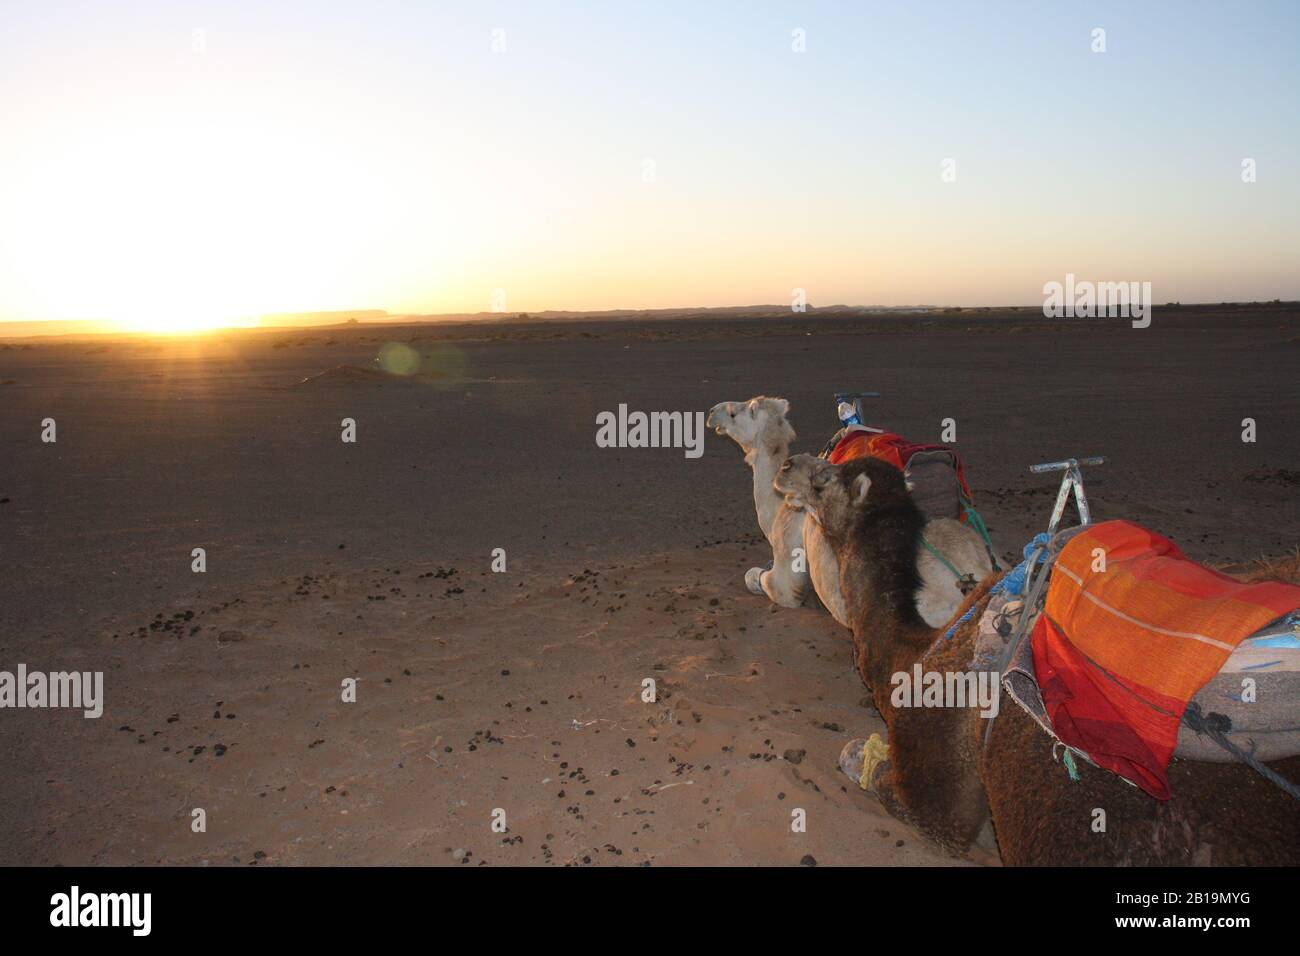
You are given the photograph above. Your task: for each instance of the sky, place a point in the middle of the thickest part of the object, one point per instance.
(178, 164)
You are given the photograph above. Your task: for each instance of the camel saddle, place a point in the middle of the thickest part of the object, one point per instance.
(935, 475)
(1132, 637)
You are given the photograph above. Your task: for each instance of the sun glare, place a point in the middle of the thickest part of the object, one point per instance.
(182, 233)
(171, 325)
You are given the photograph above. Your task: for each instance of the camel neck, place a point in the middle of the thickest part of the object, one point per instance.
(885, 659)
(766, 461)
(882, 588)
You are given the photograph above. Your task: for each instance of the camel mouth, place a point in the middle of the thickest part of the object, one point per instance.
(792, 496)
(792, 483)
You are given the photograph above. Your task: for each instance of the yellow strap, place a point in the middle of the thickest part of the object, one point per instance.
(874, 753)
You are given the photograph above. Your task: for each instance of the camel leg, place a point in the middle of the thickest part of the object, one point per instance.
(784, 586)
(782, 583)
(824, 571)
(931, 780)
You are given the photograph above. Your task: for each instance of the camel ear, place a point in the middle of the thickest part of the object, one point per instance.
(861, 486)
(782, 406)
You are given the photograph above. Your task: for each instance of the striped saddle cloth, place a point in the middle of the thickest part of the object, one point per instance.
(1131, 631)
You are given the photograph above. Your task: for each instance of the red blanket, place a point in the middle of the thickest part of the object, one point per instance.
(894, 449)
(1120, 652)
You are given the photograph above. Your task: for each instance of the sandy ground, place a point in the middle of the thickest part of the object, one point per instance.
(521, 691)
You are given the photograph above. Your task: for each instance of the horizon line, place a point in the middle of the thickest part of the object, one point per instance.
(371, 311)
(333, 318)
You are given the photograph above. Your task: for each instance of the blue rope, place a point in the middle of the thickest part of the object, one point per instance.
(1012, 583)
(947, 635)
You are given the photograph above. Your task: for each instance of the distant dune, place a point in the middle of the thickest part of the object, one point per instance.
(283, 320)
(730, 315)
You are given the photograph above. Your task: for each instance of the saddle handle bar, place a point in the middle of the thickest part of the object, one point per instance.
(1068, 463)
(841, 396)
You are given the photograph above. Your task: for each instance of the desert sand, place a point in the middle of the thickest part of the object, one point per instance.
(521, 691)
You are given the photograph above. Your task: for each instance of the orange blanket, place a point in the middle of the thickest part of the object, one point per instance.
(892, 448)
(1120, 652)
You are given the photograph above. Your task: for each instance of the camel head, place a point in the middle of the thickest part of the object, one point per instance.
(839, 496)
(756, 424)
(811, 484)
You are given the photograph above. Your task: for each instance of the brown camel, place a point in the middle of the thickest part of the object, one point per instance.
(941, 776)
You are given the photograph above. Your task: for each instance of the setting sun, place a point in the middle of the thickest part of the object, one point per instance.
(169, 233)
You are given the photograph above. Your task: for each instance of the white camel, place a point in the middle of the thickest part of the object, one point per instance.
(802, 559)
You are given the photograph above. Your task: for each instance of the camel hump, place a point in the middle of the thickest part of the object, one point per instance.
(933, 480)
